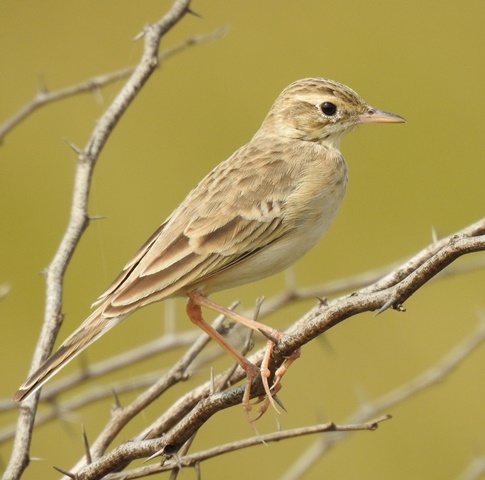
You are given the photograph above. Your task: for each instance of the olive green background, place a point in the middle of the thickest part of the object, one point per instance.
(422, 60)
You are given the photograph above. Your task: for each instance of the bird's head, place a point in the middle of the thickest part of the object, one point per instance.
(321, 110)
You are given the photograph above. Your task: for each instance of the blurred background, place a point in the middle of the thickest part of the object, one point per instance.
(421, 60)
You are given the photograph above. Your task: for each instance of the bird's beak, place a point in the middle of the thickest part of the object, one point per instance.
(372, 115)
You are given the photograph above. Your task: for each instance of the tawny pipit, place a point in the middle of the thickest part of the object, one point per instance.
(252, 216)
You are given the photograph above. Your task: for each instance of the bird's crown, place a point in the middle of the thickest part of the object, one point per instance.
(320, 110)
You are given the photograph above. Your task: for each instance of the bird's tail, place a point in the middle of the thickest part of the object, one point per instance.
(90, 330)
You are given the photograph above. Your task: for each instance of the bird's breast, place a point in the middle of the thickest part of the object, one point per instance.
(318, 193)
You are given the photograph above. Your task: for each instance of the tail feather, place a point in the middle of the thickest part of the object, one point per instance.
(90, 330)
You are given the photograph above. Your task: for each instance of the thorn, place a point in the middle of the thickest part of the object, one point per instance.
(98, 94)
(140, 34)
(76, 149)
(212, 387)
(198, 472)
(161, 452)
(323, 301)
(42, 85)
(384, 307)
(434, 235)
(87, 449)
(194, 13)
(259, 303)
(151, 457)
(177, 461)
(269, 336)
(116, 407)
(279, 402)
(64, 472)
(97, 217)
(391, 303)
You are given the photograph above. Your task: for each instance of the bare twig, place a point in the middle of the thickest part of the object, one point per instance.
(353, 282)
(389, 292)
(176, 413)
(175, 427)
(196, 458)
(123, 416)
(131, 451)
(51, 393)
(44, 97)
(177, 424)
(432, 376)
(175, 340)
(79, 220)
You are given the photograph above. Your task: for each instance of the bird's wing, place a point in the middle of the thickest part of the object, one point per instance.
(230, 215)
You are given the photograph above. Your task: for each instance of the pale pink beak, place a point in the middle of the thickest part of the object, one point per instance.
(372, 115)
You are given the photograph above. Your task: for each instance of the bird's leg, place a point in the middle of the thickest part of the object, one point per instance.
(265, 371)
(275, 388)
(201, 300)
(267, 401)
(196, 299)
(195, 314)
(284, 367)
(265, 374)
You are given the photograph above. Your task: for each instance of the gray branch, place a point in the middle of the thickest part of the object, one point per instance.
(175, 428)
(79, 221)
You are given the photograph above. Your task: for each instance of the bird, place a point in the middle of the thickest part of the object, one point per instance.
(252, 216)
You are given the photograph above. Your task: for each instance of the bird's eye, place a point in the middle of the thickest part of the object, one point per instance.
(328, 108)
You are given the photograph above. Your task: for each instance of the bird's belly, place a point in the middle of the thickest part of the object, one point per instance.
(275, 257)
(310, 209)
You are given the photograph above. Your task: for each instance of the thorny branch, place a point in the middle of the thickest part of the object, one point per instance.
(94, 84)
(430, 377)
(183, 419)
(196, 458)
(79, 220)
(388, 289)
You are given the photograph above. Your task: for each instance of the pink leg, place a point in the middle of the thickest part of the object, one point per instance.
(195, 314)
(196, 300)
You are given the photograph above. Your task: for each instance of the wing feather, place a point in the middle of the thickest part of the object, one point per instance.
(128, 268)
(217, 226)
